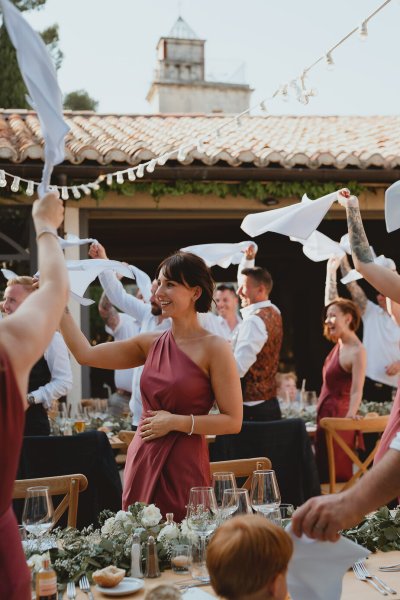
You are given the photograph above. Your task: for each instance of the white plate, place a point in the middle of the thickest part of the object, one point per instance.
(127, 586)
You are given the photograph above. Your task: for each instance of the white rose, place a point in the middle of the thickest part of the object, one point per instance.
(187, 532)
(150, 516)
(108, 526)
(169, 532)
(122, 516)
(108, 424)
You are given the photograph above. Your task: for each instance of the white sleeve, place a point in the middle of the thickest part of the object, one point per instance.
(395, 443)
(244, 264)
(57, 359)
(251, 338)
(370, 310)
(118, 296)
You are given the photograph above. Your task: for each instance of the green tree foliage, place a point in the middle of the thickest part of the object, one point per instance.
(12, 88)
(80, 100)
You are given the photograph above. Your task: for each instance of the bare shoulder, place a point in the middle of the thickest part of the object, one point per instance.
(146, 340)
(217, 345)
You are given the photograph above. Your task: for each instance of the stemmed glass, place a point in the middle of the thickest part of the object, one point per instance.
(222, 481)
(38, 513)
(236, 502)
(265, 496)
(202, 519)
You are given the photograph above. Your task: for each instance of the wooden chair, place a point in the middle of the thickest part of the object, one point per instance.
(242, 467)
(332, 427)
(126, 436)
(67, 485)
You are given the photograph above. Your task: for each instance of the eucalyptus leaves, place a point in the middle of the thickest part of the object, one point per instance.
(379, 531)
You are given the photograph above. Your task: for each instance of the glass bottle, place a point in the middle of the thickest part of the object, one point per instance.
(46, 582)
(136, 557)
(152, 568)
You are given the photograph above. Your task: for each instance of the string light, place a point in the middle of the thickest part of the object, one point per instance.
(64, 193)
(302, 94)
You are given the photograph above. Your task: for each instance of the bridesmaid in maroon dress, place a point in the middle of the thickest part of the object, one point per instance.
(343, 379)
(186, 369)
(24, 337)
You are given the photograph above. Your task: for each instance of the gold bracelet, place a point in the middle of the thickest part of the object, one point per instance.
(192, 428)
(49, 230)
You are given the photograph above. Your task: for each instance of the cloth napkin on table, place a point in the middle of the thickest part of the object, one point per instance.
(317, 568)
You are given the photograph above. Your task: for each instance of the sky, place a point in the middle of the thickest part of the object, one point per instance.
(110, 49)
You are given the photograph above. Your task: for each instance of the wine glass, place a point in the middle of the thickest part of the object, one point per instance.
(265, 496)
(236, 502)
(202, 519)
(38, 513)
(222, 481)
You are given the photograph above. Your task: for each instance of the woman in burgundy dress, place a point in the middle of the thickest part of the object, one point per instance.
(343, 379)
(186, 369)
(24, 337)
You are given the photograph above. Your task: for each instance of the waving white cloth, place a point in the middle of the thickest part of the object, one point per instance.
(319, 247)
(71, 240)
(222, 255)
(8, 274)
(317, 568)
(381, 260)
(40, 78)
(392, 207)
(297, 220)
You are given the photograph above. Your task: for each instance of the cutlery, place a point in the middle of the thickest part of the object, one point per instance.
(71, 591)
(85, 586)
(362, 577)
(364, 570)
(188, 586)
(395, 567)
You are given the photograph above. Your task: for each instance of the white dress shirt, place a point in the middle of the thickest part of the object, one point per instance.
(57, 358)
(381, 339)
(395, 443)
(127, 327)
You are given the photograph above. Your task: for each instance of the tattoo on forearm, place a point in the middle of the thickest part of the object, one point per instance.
(331, 292)
(358, 239)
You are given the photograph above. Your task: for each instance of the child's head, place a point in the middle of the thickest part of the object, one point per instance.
(248, 557)
(286, 386)
(164, 592)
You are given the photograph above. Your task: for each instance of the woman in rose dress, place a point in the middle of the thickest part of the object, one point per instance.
(24, 337)
(343, 380)
(186, 369)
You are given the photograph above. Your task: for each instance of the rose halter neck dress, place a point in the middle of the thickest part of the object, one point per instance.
(334, 401)
(163, 470)
(15, 580)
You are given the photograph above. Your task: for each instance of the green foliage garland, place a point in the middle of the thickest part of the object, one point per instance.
(380, 531)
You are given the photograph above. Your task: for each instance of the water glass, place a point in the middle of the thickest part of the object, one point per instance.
(236, 502)
(180, 558)
(202, 518)
(265, 495)
(287, 511)
(222, 481)
(38, 513)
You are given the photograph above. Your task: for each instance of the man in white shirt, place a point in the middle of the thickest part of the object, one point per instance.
(121, 327)
(149, 317)
(51, 377)
(258, 346)
(323, 517)
(381, 336)
(227, 304)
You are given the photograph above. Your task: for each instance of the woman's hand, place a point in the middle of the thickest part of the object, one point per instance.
(351, 415)
(156, 424)
(393, 369)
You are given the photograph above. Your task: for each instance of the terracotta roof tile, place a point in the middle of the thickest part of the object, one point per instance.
(260, 140)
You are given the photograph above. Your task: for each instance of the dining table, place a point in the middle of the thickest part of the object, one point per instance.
(353, 589)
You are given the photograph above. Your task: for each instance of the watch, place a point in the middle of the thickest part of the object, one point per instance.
(31, 399)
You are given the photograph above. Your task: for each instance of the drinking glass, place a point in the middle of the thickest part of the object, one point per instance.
(287, 511)
(310, 399)
(265, 495)
(180, 558)
(38, 513)
(236, 502)
(202, 519)
(222, 481)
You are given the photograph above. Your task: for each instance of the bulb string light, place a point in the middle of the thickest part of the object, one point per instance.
(297, 84)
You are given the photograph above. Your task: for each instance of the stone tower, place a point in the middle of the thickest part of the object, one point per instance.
(179, 84)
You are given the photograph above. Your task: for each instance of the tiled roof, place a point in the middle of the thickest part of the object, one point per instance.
(261, 141)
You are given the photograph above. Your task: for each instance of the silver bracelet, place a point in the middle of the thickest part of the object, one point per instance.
(192, 428)
(49, 230)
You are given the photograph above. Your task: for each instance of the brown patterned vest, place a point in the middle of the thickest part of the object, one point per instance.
(259, 381)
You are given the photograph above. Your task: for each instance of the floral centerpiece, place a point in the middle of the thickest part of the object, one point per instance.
(378, 531)
(77, 552)
(309, 413)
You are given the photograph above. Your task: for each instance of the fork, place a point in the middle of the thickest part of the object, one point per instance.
(71, 591)
(85, 586)
(364, 570)
(362, 577)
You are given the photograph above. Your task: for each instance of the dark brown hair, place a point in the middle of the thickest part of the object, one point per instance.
(261, 276)
(191, 271)
(243, 545)
(347, 307)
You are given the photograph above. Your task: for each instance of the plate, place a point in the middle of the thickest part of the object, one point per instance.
(127, 586)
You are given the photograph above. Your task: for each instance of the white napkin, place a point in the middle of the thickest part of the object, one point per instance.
(73, 240)
(392, 207)
(197, 594)
(8, 274)
(380, 260)
(317, 568)
(298, 220)
(319, 247)
(222, 255)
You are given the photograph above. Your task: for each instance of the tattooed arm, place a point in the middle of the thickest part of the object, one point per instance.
(108, 312)
(331, 292)
(357, 293)
(384, 280)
